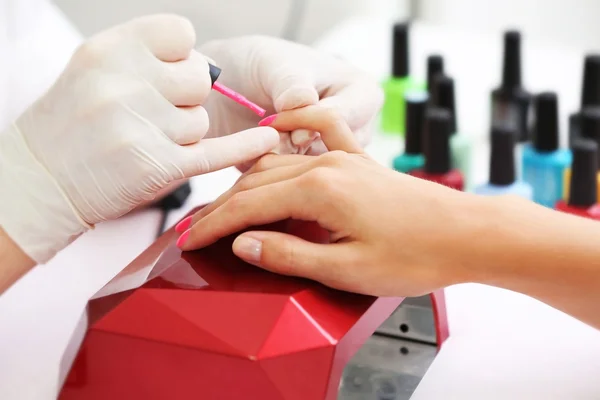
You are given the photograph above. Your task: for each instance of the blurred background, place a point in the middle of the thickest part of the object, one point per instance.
(468, 32)
(558, 33)
(568, 22)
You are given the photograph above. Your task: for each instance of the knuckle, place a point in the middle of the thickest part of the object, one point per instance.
(262, 164)
(247, 183)
(203, 165)
(334, 119)
(288, 256)
(320, 178)
(334, 158)
(237, 201)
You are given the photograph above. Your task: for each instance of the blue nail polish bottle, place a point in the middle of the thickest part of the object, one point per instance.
(502, 165)
(544, 163)
(413, 158)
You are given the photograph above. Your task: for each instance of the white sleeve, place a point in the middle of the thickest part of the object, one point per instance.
(40, 42)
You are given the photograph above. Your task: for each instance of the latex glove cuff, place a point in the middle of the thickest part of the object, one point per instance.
(34, 211)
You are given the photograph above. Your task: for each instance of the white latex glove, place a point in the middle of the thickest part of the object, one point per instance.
(122, 122)
(280, 75)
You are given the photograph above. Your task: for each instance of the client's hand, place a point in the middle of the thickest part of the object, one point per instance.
(384, 225)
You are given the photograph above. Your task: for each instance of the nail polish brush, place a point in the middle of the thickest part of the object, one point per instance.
(232, 94)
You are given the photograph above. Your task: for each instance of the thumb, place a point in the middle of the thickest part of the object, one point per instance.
(286, 254)
(291, 89)
(213, 154)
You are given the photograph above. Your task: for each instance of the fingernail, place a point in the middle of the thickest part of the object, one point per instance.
(303, 137)
(183, 225)
(267, 121)
(247, 248)
(183, 238)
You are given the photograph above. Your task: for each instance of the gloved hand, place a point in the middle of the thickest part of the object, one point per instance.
(122, 122)
(279, 76)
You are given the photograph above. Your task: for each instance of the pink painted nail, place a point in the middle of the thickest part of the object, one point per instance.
(183, 225)
(267, 121)
(183, 238)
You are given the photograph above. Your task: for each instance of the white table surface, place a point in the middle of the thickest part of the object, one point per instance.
(502, 346)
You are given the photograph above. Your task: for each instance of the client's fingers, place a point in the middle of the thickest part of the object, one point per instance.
(290, 255)
(258, 179)
(334, 130)
(266, 163)
(260, 206)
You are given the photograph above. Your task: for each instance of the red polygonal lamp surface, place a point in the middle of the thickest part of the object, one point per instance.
(206, 325)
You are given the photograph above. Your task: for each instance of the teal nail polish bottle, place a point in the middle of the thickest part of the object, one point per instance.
(503, 177)
(461, 146)
(412, 158)
(395, 87)
(544, 163)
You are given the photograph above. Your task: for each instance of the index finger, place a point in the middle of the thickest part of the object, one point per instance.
(334, 130)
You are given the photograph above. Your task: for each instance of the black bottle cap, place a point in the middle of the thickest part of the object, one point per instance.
(176, 198)
(435, 67)
(416, 103)
(589, 123)
(502, 160)
(437, 141)
(511, 68)
(590, 90)
(443, 97)
(584, 185)
(400, 50)
(214, 73)
(545, 133)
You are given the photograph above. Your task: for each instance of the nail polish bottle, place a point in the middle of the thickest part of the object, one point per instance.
(438, 164)
(460, 145)
(503, 179)
(412, 158)
(543, 162)
(583, 198)
(590, 93)
(510, 101)
(395, 87)
(589, 128)
(435, 67)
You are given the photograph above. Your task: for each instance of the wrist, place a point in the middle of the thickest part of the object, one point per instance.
(496, 238)
(490, 237)
(521, 246)
(463, 238)
(34, 212)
